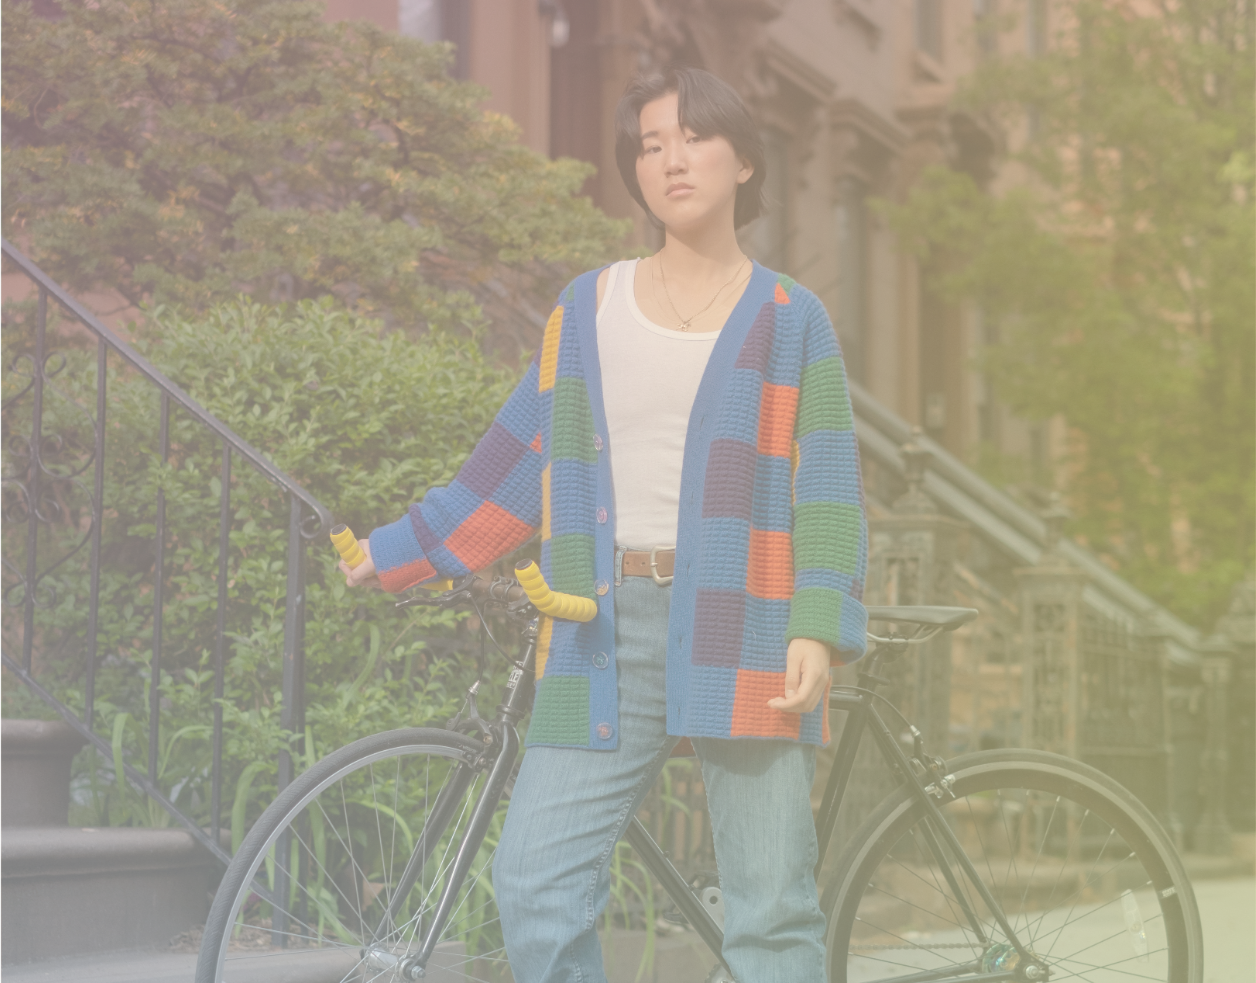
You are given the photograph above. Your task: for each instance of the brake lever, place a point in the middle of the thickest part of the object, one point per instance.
(456, 595)
(434, 601)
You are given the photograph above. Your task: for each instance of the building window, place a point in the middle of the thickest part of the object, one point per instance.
(985, 27)
(851, 217)
(1035, 27)
(767, 237)
(1035, 46)
(439, 20)
(928, 17)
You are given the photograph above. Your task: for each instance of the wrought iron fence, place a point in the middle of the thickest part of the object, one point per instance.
(1123, 728)
(51, 515)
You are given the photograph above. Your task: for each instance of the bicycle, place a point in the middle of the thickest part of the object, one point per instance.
(998, 865)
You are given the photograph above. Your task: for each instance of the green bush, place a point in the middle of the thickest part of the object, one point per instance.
(366, 421)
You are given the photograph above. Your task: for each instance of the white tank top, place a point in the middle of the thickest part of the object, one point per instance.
(650, 376)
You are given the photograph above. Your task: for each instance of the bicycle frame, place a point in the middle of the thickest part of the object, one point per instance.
(502, 751)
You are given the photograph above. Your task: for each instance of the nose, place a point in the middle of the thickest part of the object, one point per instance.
(675, 162)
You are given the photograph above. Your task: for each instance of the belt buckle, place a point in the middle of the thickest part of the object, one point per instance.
(654, 565)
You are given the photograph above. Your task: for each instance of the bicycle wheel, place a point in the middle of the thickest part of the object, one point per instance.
(369, 834)
(1087, 878)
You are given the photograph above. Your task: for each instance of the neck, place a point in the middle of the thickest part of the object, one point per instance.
(700, 255)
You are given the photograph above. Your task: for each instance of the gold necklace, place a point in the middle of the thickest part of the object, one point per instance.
(685, 322)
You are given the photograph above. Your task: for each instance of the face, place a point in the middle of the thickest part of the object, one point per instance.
(687, 180)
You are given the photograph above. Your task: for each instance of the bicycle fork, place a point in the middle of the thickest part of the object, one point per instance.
(937, 828)
(505, 743)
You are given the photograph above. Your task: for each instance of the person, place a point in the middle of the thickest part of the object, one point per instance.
(686, 417)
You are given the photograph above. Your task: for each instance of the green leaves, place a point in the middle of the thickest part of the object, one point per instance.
(367, 421)
(1119, 276)
(189, 152)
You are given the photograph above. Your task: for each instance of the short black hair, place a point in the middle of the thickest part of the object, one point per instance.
(710, 107)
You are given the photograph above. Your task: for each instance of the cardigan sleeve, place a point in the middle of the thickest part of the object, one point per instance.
(492, 506)
(830, 529)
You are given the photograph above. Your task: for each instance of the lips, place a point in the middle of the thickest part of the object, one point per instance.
(677, 187)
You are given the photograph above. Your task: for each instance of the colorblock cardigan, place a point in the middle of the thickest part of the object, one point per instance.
(771, 540)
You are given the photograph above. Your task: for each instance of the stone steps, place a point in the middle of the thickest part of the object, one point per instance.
(70, 891)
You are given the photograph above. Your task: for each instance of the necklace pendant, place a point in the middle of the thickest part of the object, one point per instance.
(684, 325)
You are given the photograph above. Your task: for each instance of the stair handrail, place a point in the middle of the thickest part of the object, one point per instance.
(255, 457)
(309, 520)
(959, 489)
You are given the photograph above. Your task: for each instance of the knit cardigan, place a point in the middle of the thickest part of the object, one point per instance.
(771, 539)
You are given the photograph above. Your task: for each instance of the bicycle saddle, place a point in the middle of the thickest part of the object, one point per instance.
(948, 619)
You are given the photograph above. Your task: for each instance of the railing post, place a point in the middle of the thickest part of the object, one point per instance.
(293, 710)
(33, 482)
(159, 581)
(1212, 832)
(1157, 787)
(220, 639)
(912, 555)
(1238, 627)
(1050, 595)
(291, 717)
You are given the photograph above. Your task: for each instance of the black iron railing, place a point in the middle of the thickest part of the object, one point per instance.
(35, 485)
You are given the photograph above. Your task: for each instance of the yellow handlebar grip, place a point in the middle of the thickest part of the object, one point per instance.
(347, 545)
(566, 606)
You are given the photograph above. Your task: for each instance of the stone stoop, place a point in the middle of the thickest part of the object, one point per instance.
(70, 890)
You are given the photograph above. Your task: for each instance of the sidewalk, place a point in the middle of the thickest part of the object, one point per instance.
(1227, 908)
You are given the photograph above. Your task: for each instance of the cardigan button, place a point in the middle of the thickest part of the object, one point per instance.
(601, 660)
(601, 514)
(597, 441)
(604, 731)
(601, 587)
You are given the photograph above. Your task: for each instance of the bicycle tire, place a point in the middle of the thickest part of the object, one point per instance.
(347, 866)
(1081, 860)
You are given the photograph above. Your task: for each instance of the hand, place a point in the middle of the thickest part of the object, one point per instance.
(806, 676)
(363, 575)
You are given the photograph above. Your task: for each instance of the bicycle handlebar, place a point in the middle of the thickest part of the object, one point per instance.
(552, 603)
(347, 545)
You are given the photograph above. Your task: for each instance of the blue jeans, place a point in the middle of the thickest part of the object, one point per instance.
(571, 805)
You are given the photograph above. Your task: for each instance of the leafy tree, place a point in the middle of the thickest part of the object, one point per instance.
(187, 152)
(1120, 274)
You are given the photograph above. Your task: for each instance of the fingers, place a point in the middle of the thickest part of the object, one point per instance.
(793, 673)
(802, 700)
(363, 575)
(806, 677)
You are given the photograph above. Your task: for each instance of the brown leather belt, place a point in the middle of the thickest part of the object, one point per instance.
(637, 563)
